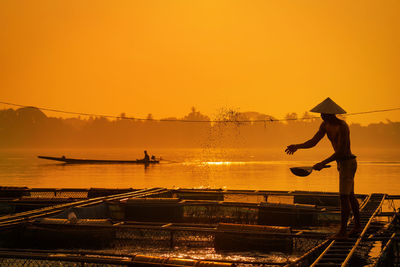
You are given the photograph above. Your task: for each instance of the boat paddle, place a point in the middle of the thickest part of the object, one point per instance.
(304, 171)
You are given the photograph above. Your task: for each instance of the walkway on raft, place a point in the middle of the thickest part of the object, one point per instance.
(340, 252)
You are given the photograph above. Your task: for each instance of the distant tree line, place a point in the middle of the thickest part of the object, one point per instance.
(30, 127)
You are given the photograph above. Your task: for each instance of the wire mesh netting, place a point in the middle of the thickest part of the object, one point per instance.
(16, 262)
(58, 194)
(220, 213)
(202, 238)
(162, 238)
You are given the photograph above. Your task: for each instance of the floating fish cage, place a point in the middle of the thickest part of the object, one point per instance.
(221, 221)
(209, 211)
(21, 199)
(88, 228)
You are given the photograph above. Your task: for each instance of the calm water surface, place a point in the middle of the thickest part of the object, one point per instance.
(197, 168)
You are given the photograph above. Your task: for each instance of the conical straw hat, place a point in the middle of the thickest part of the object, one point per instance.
(328, 107)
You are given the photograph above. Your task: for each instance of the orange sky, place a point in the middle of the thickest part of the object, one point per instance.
(163, 57)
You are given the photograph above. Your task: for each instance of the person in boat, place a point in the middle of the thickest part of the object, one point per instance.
(146, 157)
(338, 134)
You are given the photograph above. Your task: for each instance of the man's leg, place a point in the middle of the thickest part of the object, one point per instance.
(345, 213)
(346, 187)
(355, 207)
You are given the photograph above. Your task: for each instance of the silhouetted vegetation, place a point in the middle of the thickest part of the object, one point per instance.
(30, 127)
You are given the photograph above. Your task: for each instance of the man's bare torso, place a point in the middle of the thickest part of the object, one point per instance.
(339, 136)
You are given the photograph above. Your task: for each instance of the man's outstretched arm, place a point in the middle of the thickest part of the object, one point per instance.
(308, 144)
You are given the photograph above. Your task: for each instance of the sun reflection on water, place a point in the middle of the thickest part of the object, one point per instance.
(221, 163)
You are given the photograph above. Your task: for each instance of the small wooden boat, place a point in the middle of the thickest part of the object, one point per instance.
(98, 161)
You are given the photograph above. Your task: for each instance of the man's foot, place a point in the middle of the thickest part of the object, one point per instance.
(339, 236)
(355, 231)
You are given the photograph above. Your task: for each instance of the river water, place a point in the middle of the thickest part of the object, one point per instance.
(257, 169)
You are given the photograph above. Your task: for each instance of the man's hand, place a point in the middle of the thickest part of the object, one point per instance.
(319, 166)
(291, 149)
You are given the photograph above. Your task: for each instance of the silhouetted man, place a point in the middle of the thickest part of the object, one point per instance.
(146, 157)
(339, 135)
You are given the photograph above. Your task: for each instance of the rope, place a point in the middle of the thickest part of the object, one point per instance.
(180, 120)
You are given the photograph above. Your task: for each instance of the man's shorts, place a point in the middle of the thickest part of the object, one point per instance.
(347, 170)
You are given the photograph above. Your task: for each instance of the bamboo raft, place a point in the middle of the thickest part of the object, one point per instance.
(44, 222)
